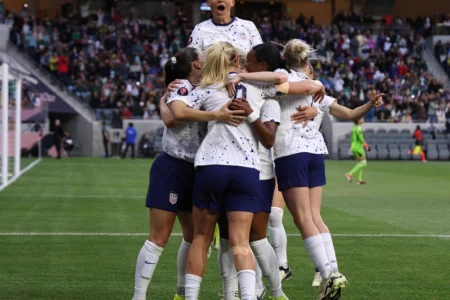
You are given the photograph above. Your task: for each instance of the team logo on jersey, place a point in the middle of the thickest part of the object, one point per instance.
(173, 198)
(182, 91)
(243, 36)
(189, 41)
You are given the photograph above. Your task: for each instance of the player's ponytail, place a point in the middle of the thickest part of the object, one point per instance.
(297, 53)
(180, 65)
(269, 54)
(219, 58)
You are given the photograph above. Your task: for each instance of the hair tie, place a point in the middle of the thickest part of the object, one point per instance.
(173, 59)
(278, 44)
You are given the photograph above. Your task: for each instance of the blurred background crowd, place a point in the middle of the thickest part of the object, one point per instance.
(116, 63)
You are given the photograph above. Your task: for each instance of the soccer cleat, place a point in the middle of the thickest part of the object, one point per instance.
(216, 239)
(349, 177)
(177, 297)
(361, 182)
(330, 289)
(260, 293)
(279, 298)
(317, 279)
(285, 273)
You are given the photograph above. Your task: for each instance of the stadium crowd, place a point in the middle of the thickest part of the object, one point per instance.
(116, 62)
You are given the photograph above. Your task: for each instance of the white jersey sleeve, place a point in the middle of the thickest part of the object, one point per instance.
(271, 111)
(326, 103)
(182, 93)
(255, 36)
(196, 40)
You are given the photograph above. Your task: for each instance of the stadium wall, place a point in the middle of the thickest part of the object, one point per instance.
(334, 131)
(404, 8)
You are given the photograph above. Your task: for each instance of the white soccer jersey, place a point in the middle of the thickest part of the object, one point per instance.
(270, 112)
(182, 142)
(292, 139)
(224, 144)
(240, 33)
(322, 109)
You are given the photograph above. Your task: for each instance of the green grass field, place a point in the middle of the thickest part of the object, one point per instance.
(94, 196)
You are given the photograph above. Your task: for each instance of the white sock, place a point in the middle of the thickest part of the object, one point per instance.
(267, 259)
(192, 286)
(228, 271)
(277, 236)
(145, 266)
(316, 249)
(259, 282)
(329, 248)
(182, 266)
(247, 282)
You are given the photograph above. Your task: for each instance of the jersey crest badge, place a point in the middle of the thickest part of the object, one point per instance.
(173, 198)
(183, 91)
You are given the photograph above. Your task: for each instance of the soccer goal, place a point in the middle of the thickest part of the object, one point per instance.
(21, 128)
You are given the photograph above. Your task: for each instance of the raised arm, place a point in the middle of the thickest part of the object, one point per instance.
(343, 113)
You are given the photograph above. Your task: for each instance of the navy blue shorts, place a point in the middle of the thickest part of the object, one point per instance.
(171, 184)
(227, 188)
(300, 170)
(266, 195)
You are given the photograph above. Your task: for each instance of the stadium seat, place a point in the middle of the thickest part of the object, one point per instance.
(381, 131)
(383, 152)
(394, 152)
(372, 155)
(404, 151)
(444, 153)
(432, 152)
(393, 131)
(406, 132)
(344, 147)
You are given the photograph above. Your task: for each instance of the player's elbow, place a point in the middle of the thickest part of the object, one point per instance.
(170, 123)
(281, 78)
(268, 142)
(179, 115)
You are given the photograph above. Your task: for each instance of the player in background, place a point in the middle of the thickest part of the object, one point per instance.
(223, 27)
(358, 149)
(418, 148)
(172, 174)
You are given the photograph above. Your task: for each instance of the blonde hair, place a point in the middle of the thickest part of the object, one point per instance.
(242, 57)
(297, 53)
(219, 58)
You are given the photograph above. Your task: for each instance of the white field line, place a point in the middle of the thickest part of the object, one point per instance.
(120, 234)
(29, 167)
(76, 196)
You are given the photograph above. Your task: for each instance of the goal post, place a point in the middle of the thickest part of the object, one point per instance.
(17, 140)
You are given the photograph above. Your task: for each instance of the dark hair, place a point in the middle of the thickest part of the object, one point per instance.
(182, 67)
(130, 124)
(270, 54)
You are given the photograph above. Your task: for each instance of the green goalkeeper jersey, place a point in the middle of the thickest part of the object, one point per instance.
(357, 136)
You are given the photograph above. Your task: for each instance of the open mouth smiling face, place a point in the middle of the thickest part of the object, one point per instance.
(221, 7)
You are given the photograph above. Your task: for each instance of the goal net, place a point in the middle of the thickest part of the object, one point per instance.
(22, 128)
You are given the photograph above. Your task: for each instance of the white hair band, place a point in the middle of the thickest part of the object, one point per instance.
(173, 59)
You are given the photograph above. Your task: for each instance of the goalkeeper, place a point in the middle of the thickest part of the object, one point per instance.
(358, 150)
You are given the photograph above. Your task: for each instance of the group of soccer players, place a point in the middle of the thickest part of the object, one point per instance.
(242, 124)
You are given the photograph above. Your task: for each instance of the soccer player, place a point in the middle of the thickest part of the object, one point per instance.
(418, 149)
(223, 27)
(227, 174)
(358, 148)
(309, 180)
(172, 174)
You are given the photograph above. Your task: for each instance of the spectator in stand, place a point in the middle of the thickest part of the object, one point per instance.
(432, 109)
(130, 140)
(63, 68)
